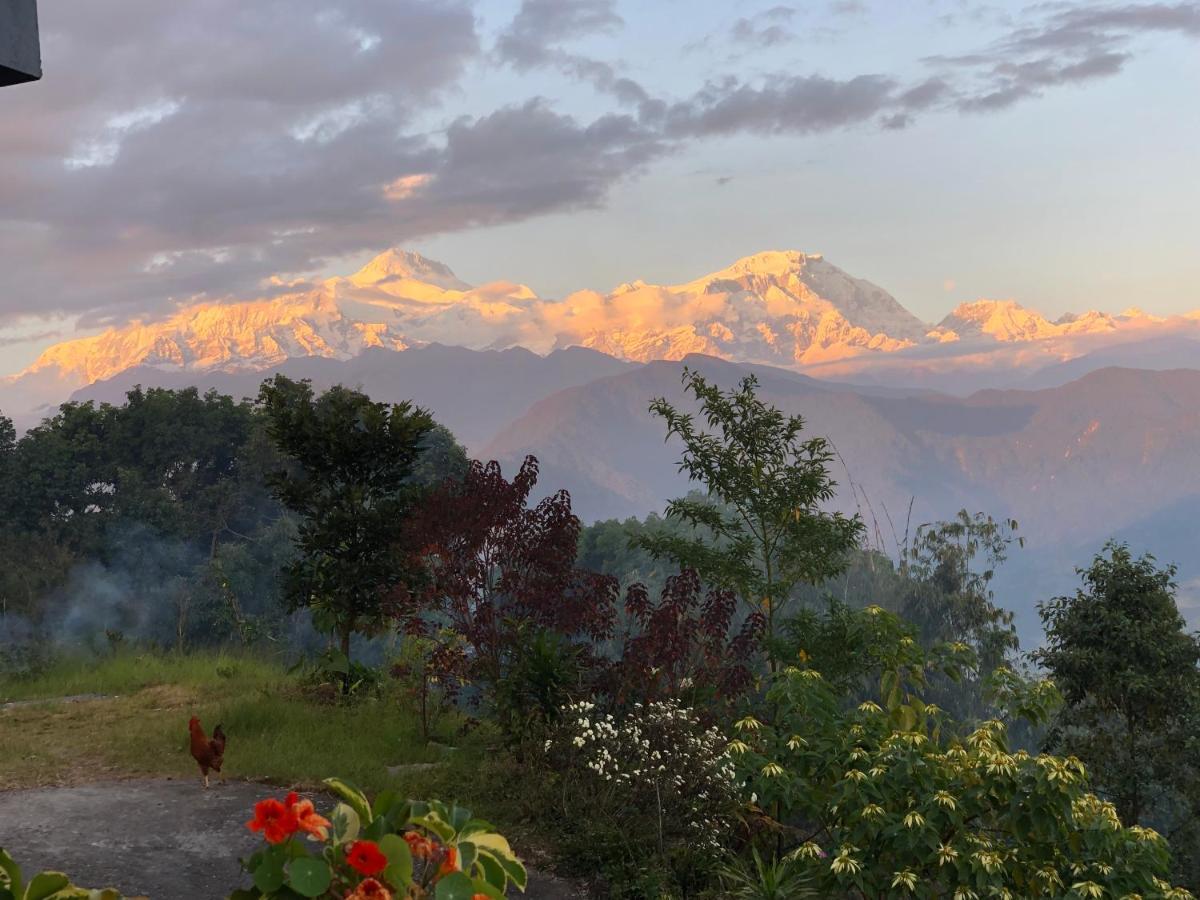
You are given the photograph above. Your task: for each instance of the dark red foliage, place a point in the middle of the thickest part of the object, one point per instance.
(497, 568)
(686, 645)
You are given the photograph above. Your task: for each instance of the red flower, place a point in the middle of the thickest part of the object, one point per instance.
(421, 847)
(366, 858)
(276, 821)
(370, 889)
(450, 863)
(307, 820)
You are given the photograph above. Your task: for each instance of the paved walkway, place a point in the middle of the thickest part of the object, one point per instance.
(163, 839)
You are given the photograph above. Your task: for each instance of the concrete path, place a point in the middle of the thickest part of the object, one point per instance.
(163, 839)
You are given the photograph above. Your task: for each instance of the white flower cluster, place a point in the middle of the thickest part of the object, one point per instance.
(658, 757)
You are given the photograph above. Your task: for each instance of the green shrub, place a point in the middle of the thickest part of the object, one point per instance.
(888, 799)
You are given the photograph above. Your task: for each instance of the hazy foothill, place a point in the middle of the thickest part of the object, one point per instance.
(329, 571)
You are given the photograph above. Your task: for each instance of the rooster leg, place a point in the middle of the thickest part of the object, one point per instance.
(206, 781)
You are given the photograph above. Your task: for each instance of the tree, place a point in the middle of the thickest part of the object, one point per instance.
(892, 798)
(500, 571)
(948, 597)
(349, 479)
(760, 530)
(1118, 651)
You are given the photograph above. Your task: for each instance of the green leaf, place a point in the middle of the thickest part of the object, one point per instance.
(467, 855)
(45, 884)
(455, 886)
(245, 894)
(493, 872)
(10, 872)
(269, 876)
(346, 823)
(496, 846)
(309, 877)
(400, 864)
(353, 796)
(483, 887)
(390, 804)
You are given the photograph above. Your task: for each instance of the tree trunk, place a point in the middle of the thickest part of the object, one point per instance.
(346, 630)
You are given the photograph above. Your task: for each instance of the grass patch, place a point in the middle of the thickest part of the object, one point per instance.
(276, 732)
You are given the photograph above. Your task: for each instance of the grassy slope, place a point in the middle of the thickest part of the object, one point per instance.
(275, 733)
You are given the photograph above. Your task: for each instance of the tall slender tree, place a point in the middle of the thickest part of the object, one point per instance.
(760, 529)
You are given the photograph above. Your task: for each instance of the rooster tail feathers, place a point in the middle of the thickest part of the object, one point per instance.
(219, 733)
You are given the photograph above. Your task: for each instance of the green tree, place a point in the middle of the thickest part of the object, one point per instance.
(349, 480)
(949, 595)
(442, 457)
(760, 530)
(1119, 653)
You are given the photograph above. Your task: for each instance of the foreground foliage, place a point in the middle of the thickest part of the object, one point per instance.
(43, 885)
(890, 799)
(387, 850)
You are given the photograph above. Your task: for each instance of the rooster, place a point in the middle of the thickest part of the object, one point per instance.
(209, 754)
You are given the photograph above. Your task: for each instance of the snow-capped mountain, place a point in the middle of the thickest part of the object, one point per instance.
(786, 308)
(781, 308)
(1007, 320)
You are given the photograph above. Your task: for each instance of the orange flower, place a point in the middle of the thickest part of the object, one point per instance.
(307, 819)
(370, 889)
(450, 863)
(366, 858)
(480, 897)
(276, 821)
(421, 847)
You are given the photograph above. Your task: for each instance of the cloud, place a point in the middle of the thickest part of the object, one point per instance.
(541, 25)
(768, 28)
(527, 160)
(536, 34)
(199, 147)
(183, 147)
(783, 104)
(1068, 44)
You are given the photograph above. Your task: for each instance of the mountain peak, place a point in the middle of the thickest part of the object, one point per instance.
(770, 263)
(1008, 320)
(407, 265)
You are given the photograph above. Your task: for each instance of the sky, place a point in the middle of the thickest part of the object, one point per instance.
(945, 149)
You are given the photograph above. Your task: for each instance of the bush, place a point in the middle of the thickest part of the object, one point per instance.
(888, 799)
(687, 645)
(334, 676)
(650, 797)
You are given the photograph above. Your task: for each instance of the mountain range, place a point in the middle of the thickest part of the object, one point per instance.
(1082, 429)
(784, 309)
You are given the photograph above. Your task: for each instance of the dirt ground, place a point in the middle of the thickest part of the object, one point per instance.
(159, 838)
